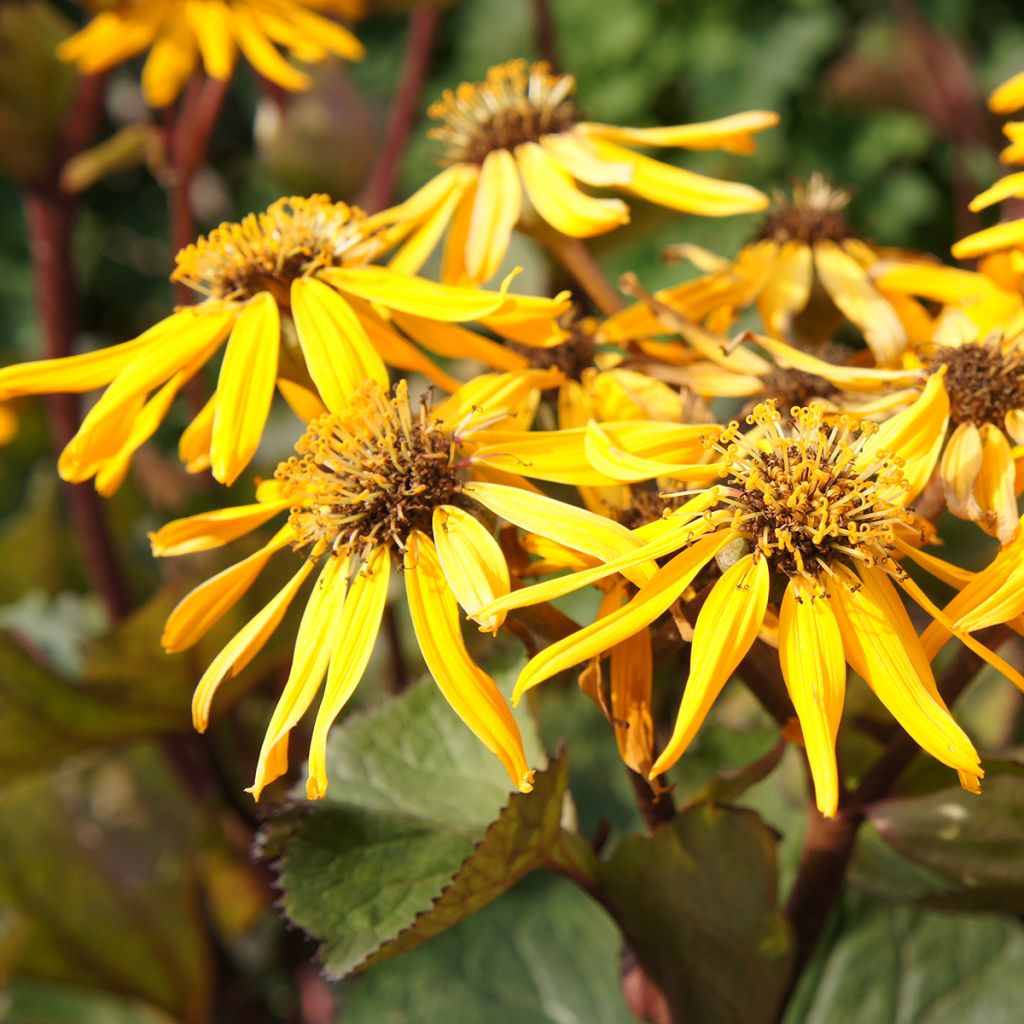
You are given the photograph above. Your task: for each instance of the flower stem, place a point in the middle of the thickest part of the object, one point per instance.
(578, 260)
(418, 49)
(544, 32)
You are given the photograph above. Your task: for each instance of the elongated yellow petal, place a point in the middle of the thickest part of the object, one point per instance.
(472, 694)
(197, 612)
(726, 627)
(652, 599)
(682, 190)
(960, 466)
(811, 654)
(406, 217)
(881, 645)
(505, 401)
(857, 378)
(950, 574)
(576, 156)
(556, 198)
(496, 208)
(90, 370)
(573, 526)
(262, 54)
(558, 457)
(851, 290)
(629, 685)
(212, 529)
(472, 562)
(410, 294)
(1009, 96)
(1009, 187)
(309, 664)
(416, 250)
(355, 636)
(111, 38)
(171, 60)
(611, 458)
(303, 401)
(1006, 235)
(447, 339)
(453, 257)
(731, 134)
(994, 487)
(996, 594)
(338, 353)
(245, 388)
(194, 443)
(788, 289)
(210, 20)
(244, 646)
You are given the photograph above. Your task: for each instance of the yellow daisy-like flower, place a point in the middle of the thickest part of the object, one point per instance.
(517, 150)
(1008, 98)
(377, 484)
(181, 34)
(293, 294)
(806, 271)
(818, 510)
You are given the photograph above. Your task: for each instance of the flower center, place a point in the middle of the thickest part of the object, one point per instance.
(572, 356)
(792, 388)
(517, 102)
(802, 496)
(369, 476)
(294, 237)
(984, 381)
(815, 212)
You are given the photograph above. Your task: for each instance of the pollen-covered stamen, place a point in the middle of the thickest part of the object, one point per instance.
(369, 476)
(984, 380)
(294, 237)
(802, 496)
(517, 102)
(815, 212)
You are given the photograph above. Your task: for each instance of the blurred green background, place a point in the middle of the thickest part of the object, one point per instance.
(128, 894)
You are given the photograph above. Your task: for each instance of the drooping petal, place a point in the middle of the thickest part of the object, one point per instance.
(629, 685)
(244, 646)
(557, 199)
(338, 353)
(309, 664)
(960, 466)
(472, 694)
(654, 598)
(245, 388)
(197, 612)
(472, 562)
(731, 134)
(355, 635)
(726, 628)
(212, 529)
(606, 453)
(994, 487)
(788, 289)
(194, 443)
(811, 654)
(496, 208)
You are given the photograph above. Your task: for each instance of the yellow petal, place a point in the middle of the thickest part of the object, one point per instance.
(202, 608)
(410, 294)
(456, 342)
(339, 355)
(245, 388)
(303, 401)
(856, 378)
(731, 133)
(1009, 187)
(576, 156)
(171, 61)
(496, 208)
(576, 527)
(262, 54)
(244, 646)
(112, 37)
(312, 655)
(960, 466)
(682, 190)
(194, 443)
(453, 258)
(881, 645)
(787, 290)
(210, 20)
(472, 694)
(212, 529)
(811, 654)
(472, 562)
(1008, 97)
(1005, 235)
(506, 401)
(860, 302)
(629, 685)
(996, 595)
(556, 198)
(726, 627)
(609, 456)
(1014, 422)
(994, 487)
(354, 638)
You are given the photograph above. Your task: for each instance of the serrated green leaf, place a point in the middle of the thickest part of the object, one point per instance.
(907, 966)
(697, 902)
(542, 954)
(411, 795)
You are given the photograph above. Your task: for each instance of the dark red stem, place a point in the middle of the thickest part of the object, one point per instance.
(544, 32)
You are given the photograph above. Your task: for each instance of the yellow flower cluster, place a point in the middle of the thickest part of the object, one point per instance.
(766, 490)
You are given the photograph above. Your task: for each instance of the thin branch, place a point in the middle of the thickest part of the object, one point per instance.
(544, 32)
(418, 49)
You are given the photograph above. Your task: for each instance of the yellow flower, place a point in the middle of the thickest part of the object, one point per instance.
(180, 34)
(805, 272)
(292, 292)
(517, 149)
(377, 484)
(816, 510)
(1007, 235)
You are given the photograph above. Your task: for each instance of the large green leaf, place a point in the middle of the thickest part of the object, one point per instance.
(404, 846)
(906, 966)
(697, 902)
(542, 954)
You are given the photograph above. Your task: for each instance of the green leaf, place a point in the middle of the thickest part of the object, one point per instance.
(906, 966)
(96, 880)
(404, 846)
(34, 1003)
(698, 903)
(543, 953)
